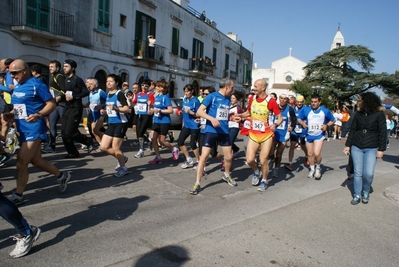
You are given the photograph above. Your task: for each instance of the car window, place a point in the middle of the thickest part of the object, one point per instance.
(179, 102)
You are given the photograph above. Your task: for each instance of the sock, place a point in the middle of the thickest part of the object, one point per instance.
(317, 166)
(141, 150)
(226, 174)
(312, 167)
(189, 159)
(290, 162)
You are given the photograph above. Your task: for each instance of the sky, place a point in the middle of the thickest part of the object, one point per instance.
(270, 27)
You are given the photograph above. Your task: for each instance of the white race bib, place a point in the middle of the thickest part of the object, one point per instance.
(258, 126)
(110, 112)
(222, 114)
(247, 124)
(20, 112)
(141, 107)
(298, 129)
(281, 126)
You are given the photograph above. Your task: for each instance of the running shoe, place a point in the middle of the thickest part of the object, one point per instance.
(355, 200)
(63, 181)
(11, 144)
(195, 190)
(317, 174)
(4, 158)
(156, 160)
(24, 243)
(288, 167)
(72, 156)
(311, 174)
(262, 186)
(188, 163)
(17, 200)
(175, 153)
(122, 171)
(229, 180)
(139, 154)
(195, 165)
(125, 159)
(256, 178)
(89, 146)
(48, 149)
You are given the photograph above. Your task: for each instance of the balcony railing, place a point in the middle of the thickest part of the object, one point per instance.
(201, 16)
(199, 65)
(27, 15)
(142, 50)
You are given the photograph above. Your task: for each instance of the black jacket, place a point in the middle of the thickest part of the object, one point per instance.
(368, 130)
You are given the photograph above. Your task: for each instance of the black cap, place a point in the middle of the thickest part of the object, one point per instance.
(71, 62)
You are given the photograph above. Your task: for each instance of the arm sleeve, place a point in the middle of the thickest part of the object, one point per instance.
(272, 106)
(293, 117)
(82, 88)
(122, 99)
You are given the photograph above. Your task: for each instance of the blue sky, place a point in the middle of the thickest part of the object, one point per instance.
(308, 26)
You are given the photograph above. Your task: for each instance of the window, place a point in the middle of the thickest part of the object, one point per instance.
(175, 41)
(198, 49)
(183, 53)
(122, 21)
(288, 78)
(338, 45)
(214, 55)
(38, 14)
(145, 26)
(103, 15)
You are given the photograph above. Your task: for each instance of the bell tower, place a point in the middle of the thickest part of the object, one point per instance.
(338, 40)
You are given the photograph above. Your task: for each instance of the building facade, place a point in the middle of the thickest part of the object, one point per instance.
(108, 36)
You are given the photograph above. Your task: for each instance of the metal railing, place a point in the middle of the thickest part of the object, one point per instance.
(142, 50)
(42, 18)
(201, 65)
(201, 16)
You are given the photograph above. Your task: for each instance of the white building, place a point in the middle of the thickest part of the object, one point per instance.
(285, 71)
(105, 36)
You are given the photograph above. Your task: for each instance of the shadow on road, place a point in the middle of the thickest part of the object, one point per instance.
(171, 256)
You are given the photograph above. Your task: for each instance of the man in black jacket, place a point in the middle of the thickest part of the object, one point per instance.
(75, 90)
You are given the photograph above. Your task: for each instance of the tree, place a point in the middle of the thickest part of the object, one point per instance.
(307, 90)
(335, 71)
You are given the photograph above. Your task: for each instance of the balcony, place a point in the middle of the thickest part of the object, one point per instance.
(142, 51)
(201, 68)
(32, 19)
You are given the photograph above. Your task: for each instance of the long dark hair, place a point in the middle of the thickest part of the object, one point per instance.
(371, 102)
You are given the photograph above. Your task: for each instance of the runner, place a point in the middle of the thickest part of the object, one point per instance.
(97, 99)
(31, 102)
(282, 133)
(116, 109)
(315, 118)
(298, 135)
(190, 126)
(260, 133)
(161, 121)
(215, 109)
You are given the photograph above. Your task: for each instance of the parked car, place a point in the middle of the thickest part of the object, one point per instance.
(176, 117)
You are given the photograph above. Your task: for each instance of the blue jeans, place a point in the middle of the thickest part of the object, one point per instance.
(364, 160)
(10, 213)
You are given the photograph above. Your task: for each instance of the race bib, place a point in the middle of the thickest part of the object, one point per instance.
(20, 112)
(110, 112)
(298, 129)
(247, 124)
(282, 126)
(141, 107)
(68, 93)
(314, 127)
(222, 114)
(258, 126)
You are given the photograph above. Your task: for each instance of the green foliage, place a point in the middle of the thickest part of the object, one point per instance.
(346, 71)
(307, 90)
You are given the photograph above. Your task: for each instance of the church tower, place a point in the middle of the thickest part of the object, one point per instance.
(338, 39)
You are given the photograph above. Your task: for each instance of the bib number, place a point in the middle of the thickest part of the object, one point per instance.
(222, 114)
(20, 112)
(258, 126)
(141, 107)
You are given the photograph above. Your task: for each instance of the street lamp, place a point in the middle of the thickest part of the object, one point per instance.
(316, 88)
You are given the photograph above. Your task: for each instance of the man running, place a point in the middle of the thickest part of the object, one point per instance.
(215, 109)
(260, 132)
(31, 102)
(316, 119)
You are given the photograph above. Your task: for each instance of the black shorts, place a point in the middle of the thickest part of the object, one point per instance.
(210, 139)
(161, 128)
(297, 139)
(117, 130)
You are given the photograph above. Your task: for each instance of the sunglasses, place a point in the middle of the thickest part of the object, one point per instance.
(15, 72)
(205, 94)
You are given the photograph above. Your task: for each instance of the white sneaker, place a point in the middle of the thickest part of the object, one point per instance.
(139, 154)
(317, 174)
(188, 163)
(24, 243)
(311, 174)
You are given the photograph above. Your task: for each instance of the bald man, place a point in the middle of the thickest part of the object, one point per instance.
(31, 101)
(261, 132)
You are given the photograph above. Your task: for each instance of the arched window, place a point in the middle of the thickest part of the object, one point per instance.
(101, 77)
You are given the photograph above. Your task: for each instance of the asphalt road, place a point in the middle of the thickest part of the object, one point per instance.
(148, 218)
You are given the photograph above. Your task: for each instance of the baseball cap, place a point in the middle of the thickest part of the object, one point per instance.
(300, 98)
(71, 62)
